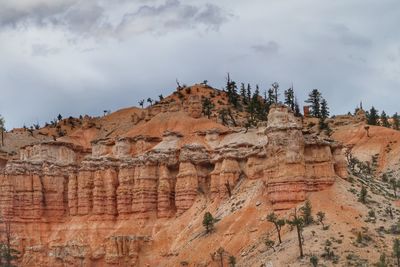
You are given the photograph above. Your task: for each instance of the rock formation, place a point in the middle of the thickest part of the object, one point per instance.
(141, 178)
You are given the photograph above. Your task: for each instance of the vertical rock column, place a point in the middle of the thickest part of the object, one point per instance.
(55, 183)
(166, 193)
(6, 199)
(105, 184)
(145, 190)
(85, 191)
(187, 183)
(73, 193)
(124, 192)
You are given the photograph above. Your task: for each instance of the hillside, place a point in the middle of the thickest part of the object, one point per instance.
(131, 188)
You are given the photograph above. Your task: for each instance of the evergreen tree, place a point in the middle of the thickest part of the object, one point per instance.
(314, 98)
(231, 90)
(396, 121)
(363, 195)
(279, 223)
(243, 94)
(384, 120)
(382, 261)
(307, 213)
(314, 260)
(248, 93)
(298, 222)
(396, 251)
(232, 261)
(208, 222)
(324, 114)
(271, 97)
(324, 109)
(289, 98)
(393, 182)
(207, 107)
(372, 116)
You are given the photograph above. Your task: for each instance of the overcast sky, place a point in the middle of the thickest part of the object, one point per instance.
(81, 57)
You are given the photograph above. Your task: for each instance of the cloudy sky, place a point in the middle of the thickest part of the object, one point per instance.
(83, 56)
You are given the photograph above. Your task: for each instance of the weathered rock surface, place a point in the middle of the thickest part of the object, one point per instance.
(149, 178)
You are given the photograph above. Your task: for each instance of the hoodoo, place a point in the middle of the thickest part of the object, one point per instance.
(105, 204)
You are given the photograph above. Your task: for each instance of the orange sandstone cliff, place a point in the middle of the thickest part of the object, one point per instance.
(133, 196)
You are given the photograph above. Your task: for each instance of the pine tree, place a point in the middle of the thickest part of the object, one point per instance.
(314, 260)
(298, 222)
(396, 250)
(231, 90)
(307, 213)
(324, 109)
(324, 114)
(363, 195)
(396, 121)
(289, 98)
(248, 93)
(243, 94)
(314, 98)
(372, 116)
(207, 107)
(279, 223)
(393, 182)
(208, 222)
(232, 261)
(384, 120)
(271, 97)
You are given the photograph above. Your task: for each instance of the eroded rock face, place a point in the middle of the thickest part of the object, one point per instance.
(145, 178)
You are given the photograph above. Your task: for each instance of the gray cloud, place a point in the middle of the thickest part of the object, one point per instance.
(91, 18)
(271, 47)
(347, 37)
(170, 16)
(42, 50)
(83, 56)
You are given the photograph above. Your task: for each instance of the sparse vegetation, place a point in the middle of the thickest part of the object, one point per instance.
(208, 222)
(321, 218)
(297, 222)
(270, 244)
(363, 195)
(396, 251)
(314, 260)
(307, 213)
(279, 223)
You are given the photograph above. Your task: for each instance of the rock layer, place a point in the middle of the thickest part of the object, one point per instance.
(145, 177)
